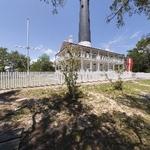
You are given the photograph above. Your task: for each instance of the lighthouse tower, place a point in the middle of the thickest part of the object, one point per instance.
(84, 24)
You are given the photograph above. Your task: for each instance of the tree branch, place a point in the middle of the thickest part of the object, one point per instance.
(113, 15)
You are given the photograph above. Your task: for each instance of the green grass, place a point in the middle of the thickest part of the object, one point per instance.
(147, 82)
(129, 87)
(39, 93)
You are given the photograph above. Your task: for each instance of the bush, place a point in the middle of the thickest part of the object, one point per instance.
(118, 85)
(70, 67)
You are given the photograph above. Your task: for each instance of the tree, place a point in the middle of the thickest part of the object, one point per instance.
(141, 55)
(42, 64)
(3, 58)
(18, 61)
(55, 4)
(118, 8)
(13, 58)
(121, 7)
(145, 41)
(69, 67)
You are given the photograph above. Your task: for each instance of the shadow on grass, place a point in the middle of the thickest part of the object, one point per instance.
(61, 124)
(7, 96)
(139, 101)
(82, 130)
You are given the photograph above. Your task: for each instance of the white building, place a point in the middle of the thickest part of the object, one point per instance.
(92, 59)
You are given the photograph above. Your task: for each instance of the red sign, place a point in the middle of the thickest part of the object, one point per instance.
(129, 64)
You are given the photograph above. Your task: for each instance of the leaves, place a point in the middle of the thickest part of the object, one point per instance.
(119, 8)
(13, 58)
(55, 4)
(69, 68)
(3, 58)
(141, 55)
(18, 61)
(42, 64)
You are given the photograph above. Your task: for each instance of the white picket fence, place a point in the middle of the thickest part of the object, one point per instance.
(13, 80)
(84, 77)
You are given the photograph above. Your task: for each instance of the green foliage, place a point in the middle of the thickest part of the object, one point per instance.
(118, 85)
(70, 66)
(14, 58)
(18, 61)
(141, 56)
(3, 58)
(121, 7)
(143, 42)
(42, 64)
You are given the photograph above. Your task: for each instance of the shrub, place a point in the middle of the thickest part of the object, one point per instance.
(118, 85)
(69, 68)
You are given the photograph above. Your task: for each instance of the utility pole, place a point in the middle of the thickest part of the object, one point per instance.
(28, 48)
(108, 61)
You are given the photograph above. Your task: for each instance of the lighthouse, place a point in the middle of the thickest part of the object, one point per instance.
(90, 58)
(84, 24)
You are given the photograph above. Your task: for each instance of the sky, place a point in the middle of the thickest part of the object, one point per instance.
(48, 31)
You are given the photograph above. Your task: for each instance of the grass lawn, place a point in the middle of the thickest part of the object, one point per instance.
(101, 119)
(147, 82)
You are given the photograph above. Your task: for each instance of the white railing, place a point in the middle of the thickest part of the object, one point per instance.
(104, 76)
(13, 80)
(142, 75)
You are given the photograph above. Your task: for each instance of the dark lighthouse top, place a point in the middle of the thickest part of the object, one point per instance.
(84, 24)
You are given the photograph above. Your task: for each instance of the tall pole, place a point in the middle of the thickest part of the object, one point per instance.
(108, 61)
(28, 59)
(84, 24)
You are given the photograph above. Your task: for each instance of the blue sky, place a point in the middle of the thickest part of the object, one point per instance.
(48, 31)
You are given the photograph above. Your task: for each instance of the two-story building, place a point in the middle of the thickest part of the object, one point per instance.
(92, 59)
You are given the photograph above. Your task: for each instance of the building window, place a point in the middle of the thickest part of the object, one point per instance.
(94, 55)
(87, 54)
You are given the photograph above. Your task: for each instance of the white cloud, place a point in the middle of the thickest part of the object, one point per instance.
(52, 59)
(39, 47)
(108, 45)
(49, 52)
(120, 43)
(135, 35)
(33, 60)
(108, 49)
(116, 40)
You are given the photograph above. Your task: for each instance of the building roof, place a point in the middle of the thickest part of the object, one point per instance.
(85, 48)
